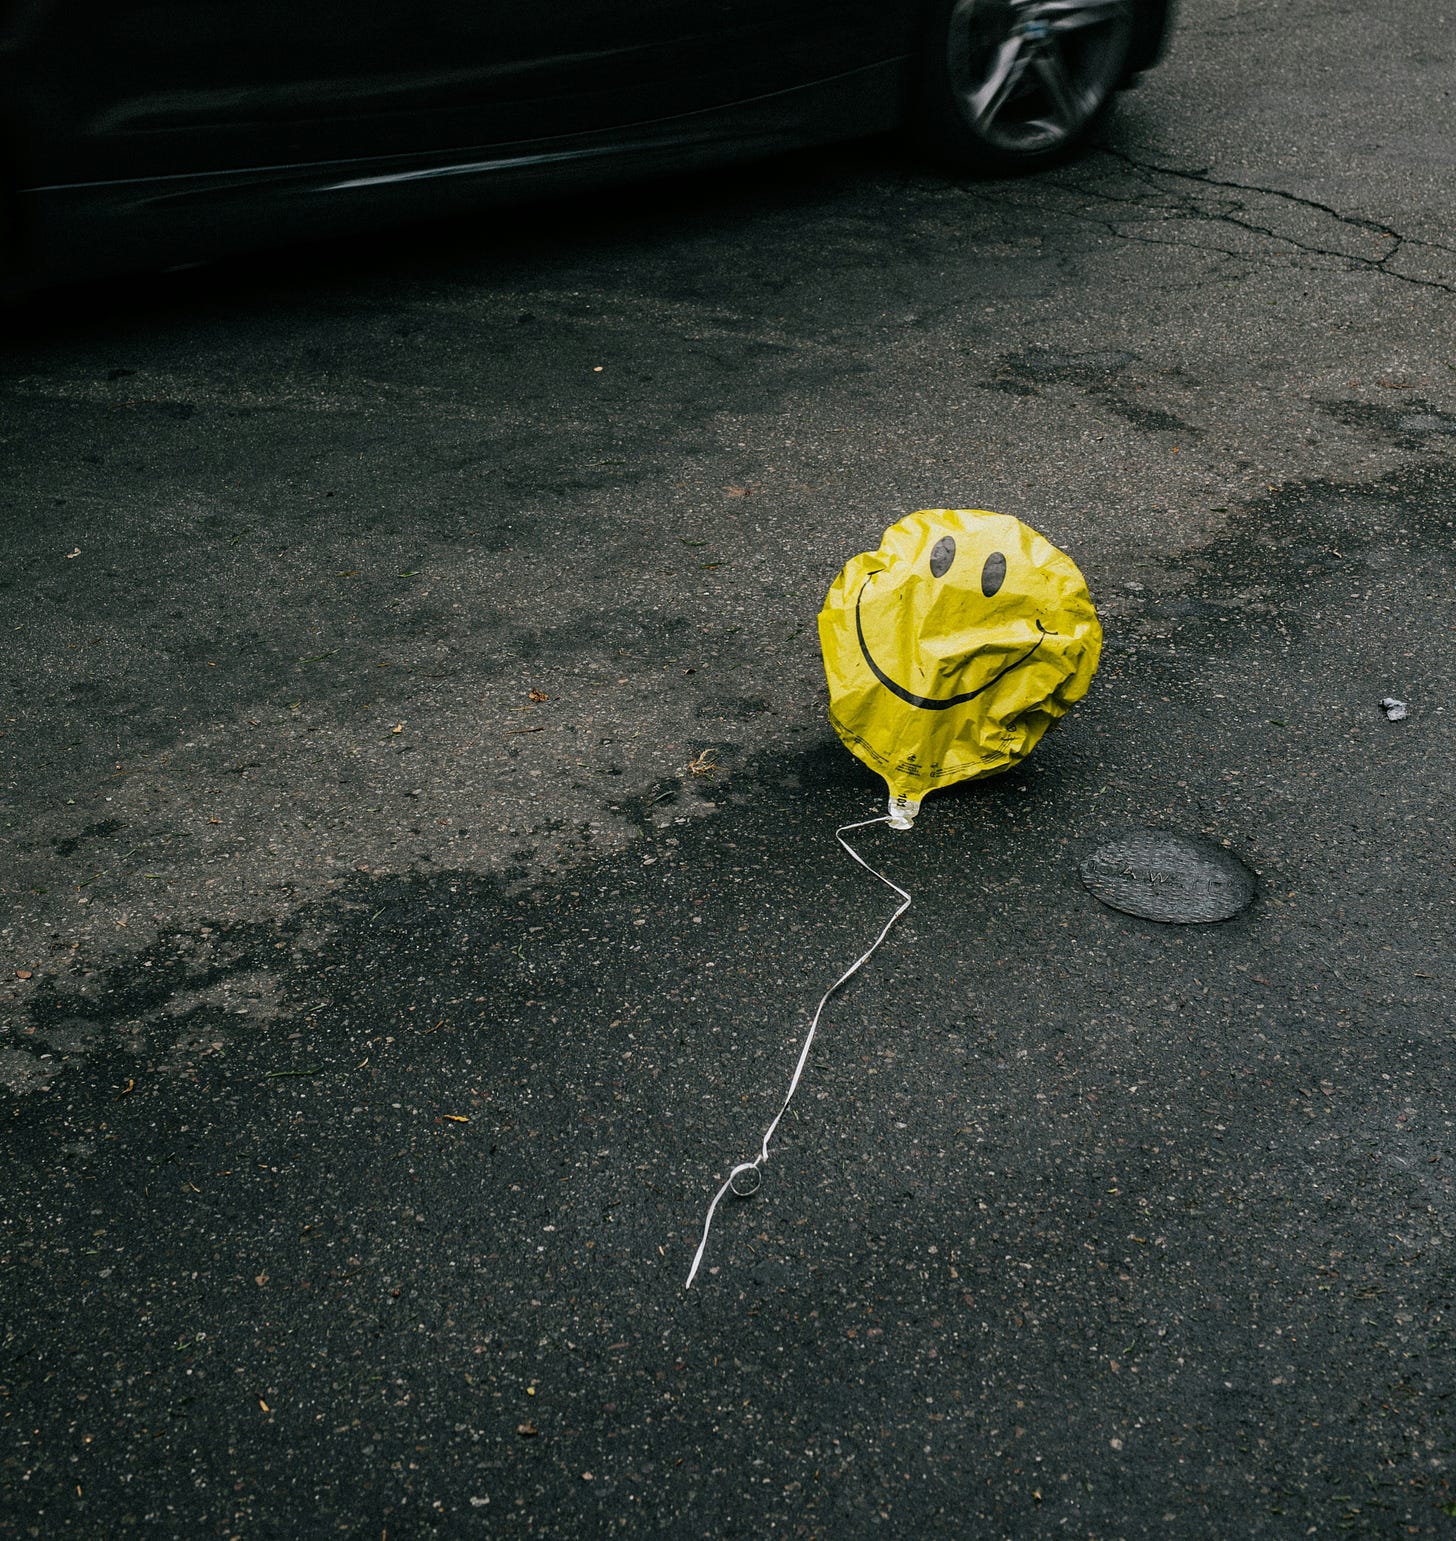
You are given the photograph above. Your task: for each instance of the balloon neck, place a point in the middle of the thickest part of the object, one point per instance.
(903, 811)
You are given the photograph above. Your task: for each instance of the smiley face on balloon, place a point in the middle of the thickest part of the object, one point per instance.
(953, 648)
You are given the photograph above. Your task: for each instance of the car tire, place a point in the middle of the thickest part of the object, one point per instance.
(1010, 86)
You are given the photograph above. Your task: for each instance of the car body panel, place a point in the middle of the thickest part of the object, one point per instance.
(168, 87)
(181, 129)
(193, 217)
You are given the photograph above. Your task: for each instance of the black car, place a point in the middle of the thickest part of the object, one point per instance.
(143, 131)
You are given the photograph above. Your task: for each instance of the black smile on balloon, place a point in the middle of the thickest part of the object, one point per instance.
(935, 703)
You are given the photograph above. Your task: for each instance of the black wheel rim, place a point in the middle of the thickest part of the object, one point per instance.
(1029, 75)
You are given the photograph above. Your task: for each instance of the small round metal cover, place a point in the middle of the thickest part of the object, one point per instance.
(1158, 875)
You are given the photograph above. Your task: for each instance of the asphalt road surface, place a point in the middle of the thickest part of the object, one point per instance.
(418, 811)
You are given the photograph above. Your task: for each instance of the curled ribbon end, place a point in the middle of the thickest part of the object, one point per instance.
(745, 1181)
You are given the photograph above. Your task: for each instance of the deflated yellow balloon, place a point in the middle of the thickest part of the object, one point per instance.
(953, 648)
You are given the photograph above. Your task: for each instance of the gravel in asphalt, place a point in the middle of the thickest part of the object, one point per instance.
(419, 862)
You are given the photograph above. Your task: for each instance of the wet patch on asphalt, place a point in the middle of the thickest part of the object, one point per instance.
(1412, 423)
(1098, 373)
(1077, 1202)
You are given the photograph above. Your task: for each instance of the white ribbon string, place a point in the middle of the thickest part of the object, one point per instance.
(754, 1166)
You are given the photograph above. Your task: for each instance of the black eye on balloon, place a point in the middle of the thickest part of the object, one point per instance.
(993, 574)
(942, 554)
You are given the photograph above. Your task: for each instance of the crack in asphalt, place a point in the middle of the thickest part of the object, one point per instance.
(1399, 242)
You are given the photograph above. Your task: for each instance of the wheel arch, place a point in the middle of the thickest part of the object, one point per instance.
(1151, 37)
